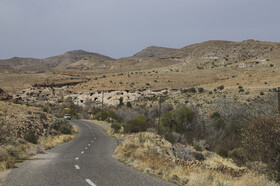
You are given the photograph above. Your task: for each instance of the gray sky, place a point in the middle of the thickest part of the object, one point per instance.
(118, 28)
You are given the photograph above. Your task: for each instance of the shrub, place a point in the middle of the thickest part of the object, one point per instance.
(102, 115)
(45, 109)
(138, 124)
(5, 132)
(31, 137)
(112, 114)
(121, 101)
(116, 127)
(215, 115)
(219, 123)
(128, 104)
(177, 120)
(62, 126)
(261, 138)
(221, 151)
(198, 147)
(200, 90)
(241, 90)
(238, 155)
(261, 93)
(43, 116)
(221, 87)
(190, 90)
(169, 137)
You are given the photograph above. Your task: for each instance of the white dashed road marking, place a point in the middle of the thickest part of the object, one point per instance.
(82, 152)
(77, 167)
(91, 141)
(90, 182)
(77, 158)
(88, 144)
(87, 125)
(86, 148)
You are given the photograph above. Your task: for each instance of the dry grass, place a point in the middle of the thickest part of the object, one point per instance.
(10, 155)
(150, 153)
(52, 141)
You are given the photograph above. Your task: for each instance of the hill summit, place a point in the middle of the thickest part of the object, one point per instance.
(154, 51)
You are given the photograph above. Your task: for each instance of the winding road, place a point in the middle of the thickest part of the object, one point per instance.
(87, 160)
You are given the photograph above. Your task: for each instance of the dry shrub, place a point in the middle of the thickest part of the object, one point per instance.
(5, 132)
(261, 139)
(51, 141)
(152, 154)
(8, 164)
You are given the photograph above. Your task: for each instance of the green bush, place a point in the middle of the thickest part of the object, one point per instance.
(200, 90)
(198, 147)
(221, 87)
(121, 101)
(116, 127)
(221, 151)
(190, 90)
(215, 115)
(238, 155)
(167, 121)
(241, 90)
(45, 108)
(105, 115)
(219, 123)
(31, 137)
(102, 115)
(138, 124)
(169, 137)
(128, 104)
(177, 120)
(62, 126)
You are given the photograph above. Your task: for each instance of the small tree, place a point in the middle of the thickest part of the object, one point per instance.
(128, 104)
(138, 124)
(121, 101)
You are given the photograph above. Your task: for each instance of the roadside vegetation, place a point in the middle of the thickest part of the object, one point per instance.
(190, 148)
(26, 131)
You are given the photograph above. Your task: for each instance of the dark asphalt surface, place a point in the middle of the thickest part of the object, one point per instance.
(67, 165)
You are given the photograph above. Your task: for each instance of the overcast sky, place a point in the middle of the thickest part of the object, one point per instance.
(118, 28)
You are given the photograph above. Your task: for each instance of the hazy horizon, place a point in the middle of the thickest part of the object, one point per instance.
(121, 29)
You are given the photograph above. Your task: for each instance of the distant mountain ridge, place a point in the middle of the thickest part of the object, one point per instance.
(154, 51)
(55, 62)
(209, 54)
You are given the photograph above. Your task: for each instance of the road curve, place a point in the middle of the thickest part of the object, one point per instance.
(86, 160)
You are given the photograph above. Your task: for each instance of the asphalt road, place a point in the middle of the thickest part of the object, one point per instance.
(86, 160)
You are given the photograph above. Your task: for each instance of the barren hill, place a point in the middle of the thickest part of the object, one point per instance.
(217, 53)
(154, 51)
(56, 62)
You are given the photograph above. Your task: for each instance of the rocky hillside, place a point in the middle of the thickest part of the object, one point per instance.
(154, 51)
(21, 119)
(217, 53)
(59, 62)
